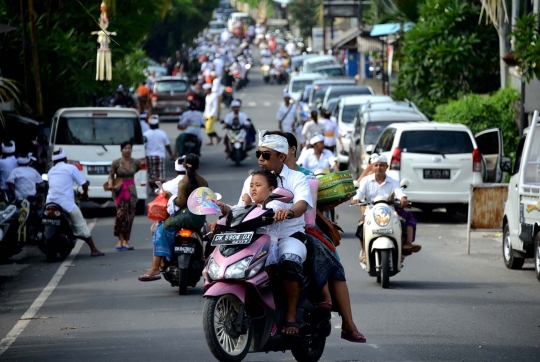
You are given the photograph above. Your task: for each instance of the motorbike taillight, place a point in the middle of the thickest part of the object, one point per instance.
(184, 233)
(52, 212)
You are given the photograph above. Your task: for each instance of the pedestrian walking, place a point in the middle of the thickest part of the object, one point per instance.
(122, 184)
(156, 144)
(331, 131)
(286, 115)
(210, 114)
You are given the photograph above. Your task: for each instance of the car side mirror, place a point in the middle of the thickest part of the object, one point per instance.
(506, 164)
(404, 183)
(369, 149)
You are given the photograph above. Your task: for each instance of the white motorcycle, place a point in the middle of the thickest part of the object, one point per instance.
(382, 238)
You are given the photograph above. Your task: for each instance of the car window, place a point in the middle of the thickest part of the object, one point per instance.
(332, 72)
(348, 113)
(322, 63)
(217, 26)
(331, 106)
(317, 93)
(531, 174)
(436, 142)
(487, 144)
(171, 85)
(299, 85)
(374, 130)
(386, 140)
(97, 131)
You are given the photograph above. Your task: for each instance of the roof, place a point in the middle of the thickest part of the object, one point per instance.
(172, 77)
(388, 29)
(337, 81)
(367, 43)
(397, 115)
(98, 110)
(431, 126)
(330, 66)
(307, 76)
(319, 58)
(392, 105)
(362, 99)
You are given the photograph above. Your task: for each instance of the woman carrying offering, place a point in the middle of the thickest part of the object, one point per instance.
(125, 197)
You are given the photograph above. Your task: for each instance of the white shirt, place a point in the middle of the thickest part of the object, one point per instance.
(172, 185)
(288, 118)
(150, 82)
(61, 177)
(370, 188)
(311, 128)
(225, 36)
(278, 62)
(308, 159)
(7, 165)
(242, 118)
(144, 126)
(218, 66)
(25, 179)
(266, 61)
(331, 131)
(156, 140)
(193, 122)
(290, 48)
(297, 183)
(211, 106)
(216, 86)
(206, 66)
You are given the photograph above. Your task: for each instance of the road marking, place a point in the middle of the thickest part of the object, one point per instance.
(252, 104)
(267, 104)
(30, 314)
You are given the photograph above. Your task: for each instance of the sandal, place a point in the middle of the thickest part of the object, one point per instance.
(324, 306)
(290, 325)
(356, 337)
(149, 278)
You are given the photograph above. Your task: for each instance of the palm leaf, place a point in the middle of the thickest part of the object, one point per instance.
(8, 92)
(495, 10)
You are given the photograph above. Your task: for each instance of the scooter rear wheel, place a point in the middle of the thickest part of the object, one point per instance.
(218, 316)
(182, 281)
(311, 352)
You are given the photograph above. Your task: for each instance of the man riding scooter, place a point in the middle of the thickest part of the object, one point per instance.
(191, 122)
(243, 121)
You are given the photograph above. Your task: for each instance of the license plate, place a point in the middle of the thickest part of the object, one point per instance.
(383, 231)
(50, 221)
(437, 174)
(184, 249)
(98, 170)
(233, 239)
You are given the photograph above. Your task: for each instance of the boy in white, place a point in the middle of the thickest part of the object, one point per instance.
(24, 180)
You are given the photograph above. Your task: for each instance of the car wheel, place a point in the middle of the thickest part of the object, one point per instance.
(510, 260)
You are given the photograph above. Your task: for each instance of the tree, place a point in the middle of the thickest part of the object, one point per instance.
(305, 15)
(447, 54)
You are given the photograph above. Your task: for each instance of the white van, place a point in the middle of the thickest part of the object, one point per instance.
(298, 82)
(234, 18)
(91, 138)
(522, 208)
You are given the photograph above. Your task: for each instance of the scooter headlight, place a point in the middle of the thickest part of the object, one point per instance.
(213, 270)
(382, 215)
(255, 270)
(238, 269)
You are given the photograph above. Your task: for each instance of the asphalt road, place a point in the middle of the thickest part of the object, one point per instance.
(443, 306)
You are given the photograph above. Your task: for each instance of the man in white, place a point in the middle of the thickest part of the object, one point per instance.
(151, 80)
(61, 178)
(290, 48)
(191, 121)
(331, 131)
(242, 120)
(211, 114)
(225, 36)
(317, 158)
(272, 152)
(286, 114)
(378, 184)
(156, 142)
(8, 163)
(278, 61)
(24, 180)
(218, 65)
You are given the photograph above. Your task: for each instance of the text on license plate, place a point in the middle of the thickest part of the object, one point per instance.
(437, 174)
(184, 249)
(50, 221)
(383, 231)
(98, 170)
(233, 238)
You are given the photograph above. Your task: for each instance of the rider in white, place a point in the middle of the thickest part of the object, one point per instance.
(317, 158)
(192, 122)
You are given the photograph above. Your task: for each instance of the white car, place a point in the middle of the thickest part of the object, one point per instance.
(298, 82)
(344, 114)
(440, 160)
(216, 27)
(310, 64)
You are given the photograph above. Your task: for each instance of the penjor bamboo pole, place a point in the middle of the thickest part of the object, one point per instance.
(35, 58)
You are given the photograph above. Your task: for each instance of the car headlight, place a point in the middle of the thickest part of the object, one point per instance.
(238, 269)
(382, 215)
(213, 270)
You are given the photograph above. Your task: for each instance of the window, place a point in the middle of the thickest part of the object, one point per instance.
(488, 143)
(374, 130)
(332, 72)
(348, 113)
(532, 167)
(386, 140)
(98, 131)
(519, 154)
(436, 142)
(217, 26)
(165, 86)
(299, 85)
(317, 93)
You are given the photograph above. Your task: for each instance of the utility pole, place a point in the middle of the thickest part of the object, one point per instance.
(35, 58)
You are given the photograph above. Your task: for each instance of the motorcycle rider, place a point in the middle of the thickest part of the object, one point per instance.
(8, 163)
(380, 184)
(318, 158)
(243, 121)
(191, 121)
(61, 178)
(24, 180)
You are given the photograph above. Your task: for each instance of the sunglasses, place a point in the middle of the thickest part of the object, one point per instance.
(265, 154)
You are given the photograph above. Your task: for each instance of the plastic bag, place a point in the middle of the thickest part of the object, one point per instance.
(157, 209)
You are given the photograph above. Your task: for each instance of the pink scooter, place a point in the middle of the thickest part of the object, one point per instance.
(244, 308)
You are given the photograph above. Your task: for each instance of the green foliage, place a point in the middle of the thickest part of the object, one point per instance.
(305, 15)
(480, 113)
(447, 54)
(377, 12)
(130, 69)
(527, 46)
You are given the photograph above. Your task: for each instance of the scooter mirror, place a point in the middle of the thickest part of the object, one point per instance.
(45, 177)
(404, 183)
(282, 195)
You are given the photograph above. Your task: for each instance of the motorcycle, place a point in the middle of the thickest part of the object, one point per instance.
(278, 75)
(244, 308)
(237, 143)
(383, 238)
(265, 70)
(8, 228)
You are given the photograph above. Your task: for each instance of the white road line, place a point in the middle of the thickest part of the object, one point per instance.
(43, 296)
(252, 104)
(267, 104)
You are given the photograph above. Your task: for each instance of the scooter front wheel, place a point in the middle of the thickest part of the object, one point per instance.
(219, 315)
(385, 268)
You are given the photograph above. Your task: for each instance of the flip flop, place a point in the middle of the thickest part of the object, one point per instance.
(353, 337)
(98, 254)
(149, 278)
(126, 248)
(119, 248)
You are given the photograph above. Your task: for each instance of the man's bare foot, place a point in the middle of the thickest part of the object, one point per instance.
(290, 328)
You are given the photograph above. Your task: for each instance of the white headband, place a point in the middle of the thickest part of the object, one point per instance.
(8, 147)
(25, 160)
(274, 142)
(59, 156)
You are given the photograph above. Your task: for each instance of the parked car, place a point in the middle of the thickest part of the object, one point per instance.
(370, 123)
(440, 160)
(170, 97)
(298, 60)
(336, 91)
(319, 87)
(298, 82)
(315, 62)
(344, 114)
(216, 27)
(403, 105)
(521, 209)
(234, 17)
(331, 70)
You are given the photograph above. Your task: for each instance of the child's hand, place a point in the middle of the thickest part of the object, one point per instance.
(225, 209)
(246, 199)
